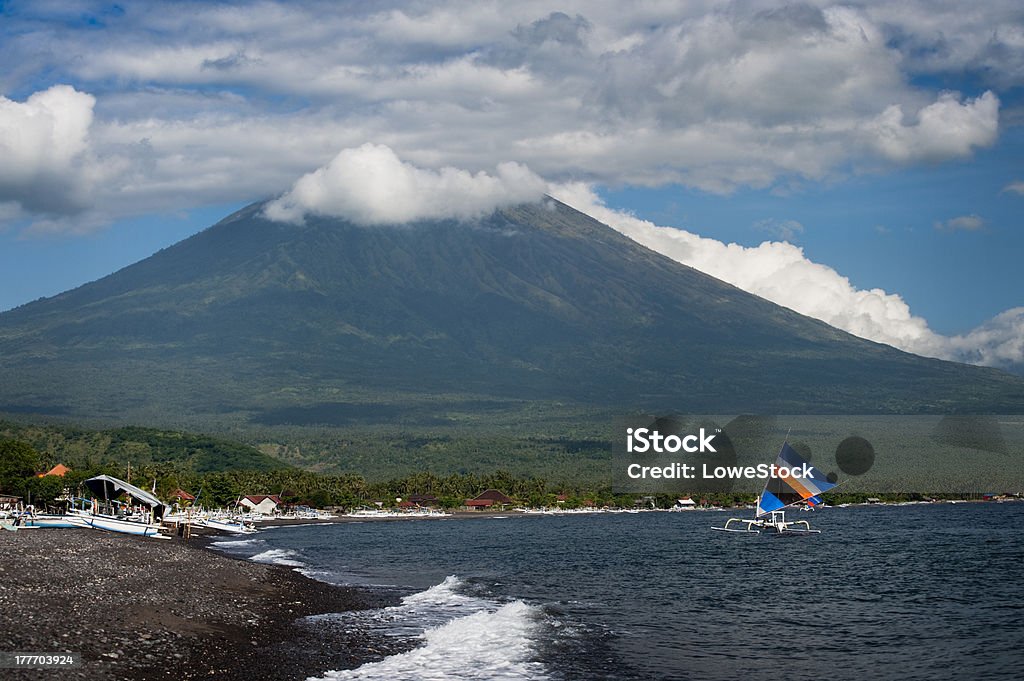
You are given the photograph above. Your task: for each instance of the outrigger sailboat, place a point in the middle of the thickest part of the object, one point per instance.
(782, 491)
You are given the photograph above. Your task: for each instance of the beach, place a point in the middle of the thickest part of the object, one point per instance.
(140, 608)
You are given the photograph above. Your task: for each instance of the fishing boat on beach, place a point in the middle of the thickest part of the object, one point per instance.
(107, 513)
(782, 490)
(15, 524)
(232, 525)
(64, 520)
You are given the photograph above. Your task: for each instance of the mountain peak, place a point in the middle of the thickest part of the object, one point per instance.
(532, 302)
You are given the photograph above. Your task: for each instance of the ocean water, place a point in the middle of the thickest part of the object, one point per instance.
(911, 592)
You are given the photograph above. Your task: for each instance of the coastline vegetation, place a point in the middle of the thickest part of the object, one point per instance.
(222, 471)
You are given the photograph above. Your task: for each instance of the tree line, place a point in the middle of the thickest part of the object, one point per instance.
(21, 463)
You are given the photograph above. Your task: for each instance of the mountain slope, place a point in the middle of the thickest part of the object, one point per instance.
(536, 302)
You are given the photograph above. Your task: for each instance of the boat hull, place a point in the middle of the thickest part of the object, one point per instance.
(100, 522)
(234, 528)
(56, 521)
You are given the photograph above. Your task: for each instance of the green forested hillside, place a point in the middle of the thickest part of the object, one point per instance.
(141, 447)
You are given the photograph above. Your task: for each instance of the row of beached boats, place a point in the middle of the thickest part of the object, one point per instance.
(140, 513)
(371, 513)
(119, 506)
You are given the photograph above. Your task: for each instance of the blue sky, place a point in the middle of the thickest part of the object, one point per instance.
(882, 142)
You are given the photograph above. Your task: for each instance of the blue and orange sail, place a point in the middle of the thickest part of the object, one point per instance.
(781, 491)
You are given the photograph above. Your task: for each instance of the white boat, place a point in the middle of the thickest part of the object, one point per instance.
(371, 513)
(100, 517)
(139, 527)
(780, 492)
(55, 520)
(11, 525)
(233, 526)
(16, 523)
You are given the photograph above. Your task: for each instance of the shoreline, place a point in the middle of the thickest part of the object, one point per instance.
(136, 608)
(199, 531)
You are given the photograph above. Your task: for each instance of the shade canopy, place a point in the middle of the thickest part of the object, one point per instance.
(110, 488)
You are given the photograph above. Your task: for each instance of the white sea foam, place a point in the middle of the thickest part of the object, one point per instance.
(427, 609)
(278, 557)
(445, 593)
(236, 543)
(488, 644)
(325, 576)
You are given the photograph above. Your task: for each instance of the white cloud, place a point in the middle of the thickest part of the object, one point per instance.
(941, 38)
(962, 223)
(371, 185)
(41, 143)
(226, 103)
(944, 129)
(997, 342)
(781, 273)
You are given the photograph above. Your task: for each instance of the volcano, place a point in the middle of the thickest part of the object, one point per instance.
(536, 303)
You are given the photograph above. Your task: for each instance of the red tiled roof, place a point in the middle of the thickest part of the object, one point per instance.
(479, 503)
(59, 470)
(183, 495)
(257, 498)
(495, 496)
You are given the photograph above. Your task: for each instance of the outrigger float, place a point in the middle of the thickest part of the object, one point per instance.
(782, 491)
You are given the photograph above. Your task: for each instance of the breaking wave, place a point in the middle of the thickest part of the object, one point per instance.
(278, 557)
(462, 637)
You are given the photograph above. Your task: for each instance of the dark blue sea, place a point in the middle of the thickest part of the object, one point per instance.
(910, 592)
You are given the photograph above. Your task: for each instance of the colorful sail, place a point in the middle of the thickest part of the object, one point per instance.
(782, 491)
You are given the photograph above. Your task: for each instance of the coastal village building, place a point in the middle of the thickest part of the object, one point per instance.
(491, 498)
(260, 503)
(497, 497)
(423, 499)
(181, 495)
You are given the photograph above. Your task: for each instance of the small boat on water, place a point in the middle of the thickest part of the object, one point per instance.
(781, 491)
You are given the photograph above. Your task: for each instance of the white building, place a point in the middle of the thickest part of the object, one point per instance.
(261, 503)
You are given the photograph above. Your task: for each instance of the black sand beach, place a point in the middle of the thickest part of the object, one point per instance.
(145, 609)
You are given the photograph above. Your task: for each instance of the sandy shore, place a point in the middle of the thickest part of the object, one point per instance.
(147, 609)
